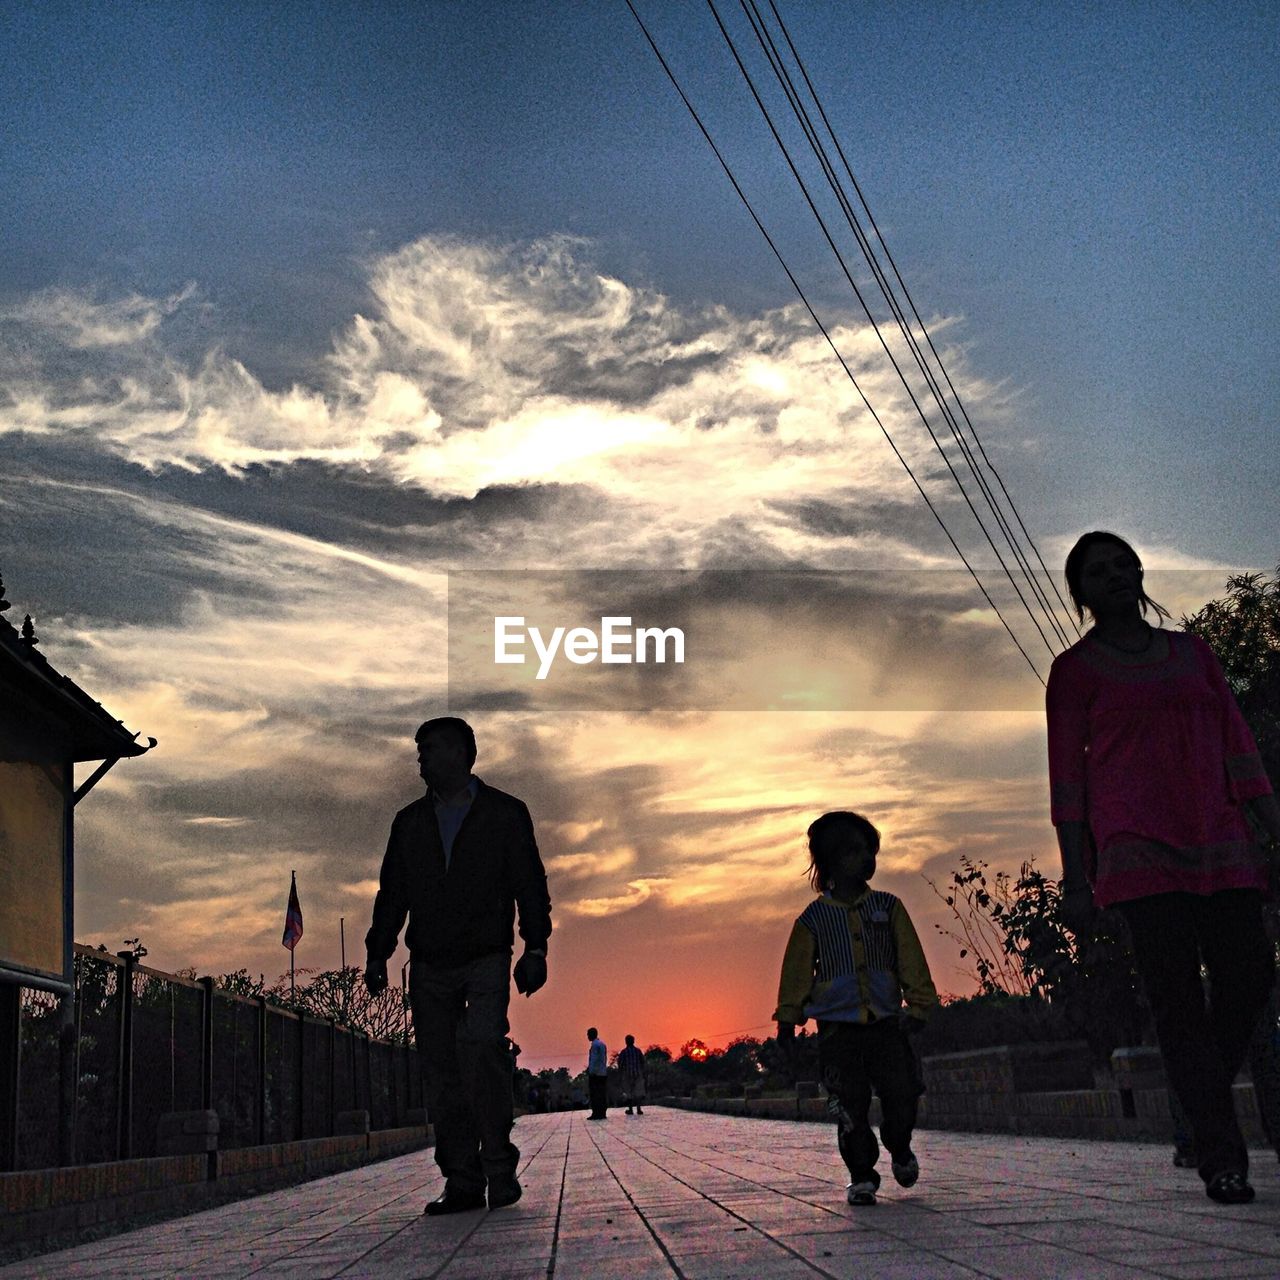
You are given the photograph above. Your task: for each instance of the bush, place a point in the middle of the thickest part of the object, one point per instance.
(983, 1021)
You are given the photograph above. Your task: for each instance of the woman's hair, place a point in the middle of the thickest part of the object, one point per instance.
(819, 855)
(1075, 567)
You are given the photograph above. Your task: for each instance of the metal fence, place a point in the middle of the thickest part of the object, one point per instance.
(144, 1043)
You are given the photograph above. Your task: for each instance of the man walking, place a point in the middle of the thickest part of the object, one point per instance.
(459, 862)
(597, 1076)
(631, 1069)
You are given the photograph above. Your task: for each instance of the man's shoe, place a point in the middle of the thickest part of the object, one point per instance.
(628, 1111)
(504, 1191)
(861, 1193)
(1230, 1188)
(454, 1202)
(906, 1172)
(639, 1111)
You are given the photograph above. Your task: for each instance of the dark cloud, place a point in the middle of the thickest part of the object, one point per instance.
(855, 514)
(104, 539)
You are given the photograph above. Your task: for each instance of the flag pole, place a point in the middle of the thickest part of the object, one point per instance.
(292, 932)
(342, 938)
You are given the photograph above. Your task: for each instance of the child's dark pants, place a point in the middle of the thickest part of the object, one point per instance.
(855, 1059)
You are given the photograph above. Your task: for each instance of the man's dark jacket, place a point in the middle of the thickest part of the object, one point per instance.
(467, 911)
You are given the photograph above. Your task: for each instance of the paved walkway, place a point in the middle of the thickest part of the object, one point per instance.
(680, 1194)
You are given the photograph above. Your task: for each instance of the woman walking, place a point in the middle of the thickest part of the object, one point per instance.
(1152, 769)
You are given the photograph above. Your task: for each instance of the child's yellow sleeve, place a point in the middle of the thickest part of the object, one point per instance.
(913, 969)
(797, 976)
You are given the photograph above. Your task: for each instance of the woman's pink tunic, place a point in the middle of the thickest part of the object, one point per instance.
(1156, 758)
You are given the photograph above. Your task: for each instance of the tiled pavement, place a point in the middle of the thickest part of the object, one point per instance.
(680, 1194)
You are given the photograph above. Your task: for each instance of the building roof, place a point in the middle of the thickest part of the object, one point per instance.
(46, 715)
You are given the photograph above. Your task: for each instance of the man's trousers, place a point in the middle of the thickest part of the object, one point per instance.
(460, 1020)
(598, 1093)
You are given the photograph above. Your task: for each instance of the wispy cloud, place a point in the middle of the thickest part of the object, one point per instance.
(84, 321)
(486, 365)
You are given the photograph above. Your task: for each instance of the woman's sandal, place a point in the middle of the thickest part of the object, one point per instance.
(1230, 1188)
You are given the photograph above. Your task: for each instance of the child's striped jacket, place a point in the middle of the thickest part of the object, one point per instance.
(854, 962)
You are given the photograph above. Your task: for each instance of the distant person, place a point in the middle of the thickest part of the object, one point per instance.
(459, 862)
(597, 1076)
(1152, 770)
(631, 1072)
(852, 961)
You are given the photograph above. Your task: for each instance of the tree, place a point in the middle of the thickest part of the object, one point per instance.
(1243, 630)
(242, 983)
(979, 909)
(340, 994)
(694, 1051)
(1025, 958)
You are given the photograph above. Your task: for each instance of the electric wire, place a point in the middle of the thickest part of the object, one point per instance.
(742, 196)
(911, 394)
(844, 160)
(801, 112)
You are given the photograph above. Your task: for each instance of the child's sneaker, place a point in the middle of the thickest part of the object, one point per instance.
(906, 1172)
(861, 1193)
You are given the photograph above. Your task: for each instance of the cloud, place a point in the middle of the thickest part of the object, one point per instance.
(638, 893)
(83, 322)
(485, 366)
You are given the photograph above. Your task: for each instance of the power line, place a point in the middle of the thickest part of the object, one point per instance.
(822, 224)
(919, 320)
(826, 335)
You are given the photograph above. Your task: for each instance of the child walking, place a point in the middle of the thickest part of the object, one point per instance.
(853, 960)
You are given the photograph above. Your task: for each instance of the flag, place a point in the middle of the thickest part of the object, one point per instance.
(292, 917)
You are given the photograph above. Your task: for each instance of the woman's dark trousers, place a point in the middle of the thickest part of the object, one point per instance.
(1204, 1044)
(855, 1059)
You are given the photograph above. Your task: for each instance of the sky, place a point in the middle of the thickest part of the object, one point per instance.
(329, 332)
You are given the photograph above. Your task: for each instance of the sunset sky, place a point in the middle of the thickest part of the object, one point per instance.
(314, 317)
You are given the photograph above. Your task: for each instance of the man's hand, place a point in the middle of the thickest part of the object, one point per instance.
(1077, 909)
(530, 973)
(786, 1039)
(375, 977)
(909, 1024)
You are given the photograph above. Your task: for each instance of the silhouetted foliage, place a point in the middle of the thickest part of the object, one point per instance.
(339, 994)
(962, 1023)
(1243, 630)
(1012, 932)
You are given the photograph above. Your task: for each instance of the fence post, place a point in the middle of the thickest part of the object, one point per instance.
(206, 1045)
(301, 1109)
(333, 1076)
(124, 1059)
(262, 1070)
(355, 1069)
(368, 1070)
(10, 1069)
(69, 1069)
